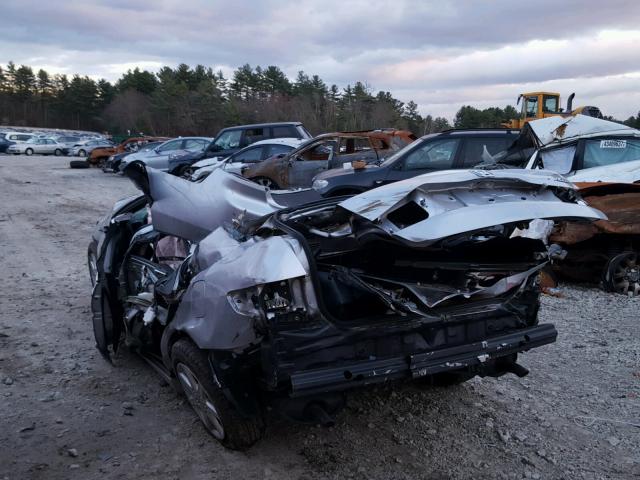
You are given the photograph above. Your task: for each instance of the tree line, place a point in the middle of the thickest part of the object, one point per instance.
(199, 101)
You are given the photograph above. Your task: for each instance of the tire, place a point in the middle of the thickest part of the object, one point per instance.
(28, 151)
(266, 182)
(82, 153)
(92, 263)
(57, 152)
(78, 164)
(217, 414)
(622, 274)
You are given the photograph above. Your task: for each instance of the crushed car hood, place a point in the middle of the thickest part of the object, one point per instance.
(556, 130)
(430, 207)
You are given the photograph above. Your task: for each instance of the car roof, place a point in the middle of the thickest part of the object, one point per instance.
(191, 138)
(257, 125)
(481, 131)
(290, 142)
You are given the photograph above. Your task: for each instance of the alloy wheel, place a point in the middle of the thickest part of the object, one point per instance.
(622, 274)
(200, 400)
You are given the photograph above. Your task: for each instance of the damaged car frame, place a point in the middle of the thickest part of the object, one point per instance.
(243, 301)
(603, 159)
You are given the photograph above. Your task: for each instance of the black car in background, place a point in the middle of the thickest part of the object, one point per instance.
(4, 143)
(452, 149)
(230, 140)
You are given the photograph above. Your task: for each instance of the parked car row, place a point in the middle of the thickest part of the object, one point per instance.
(53, 142)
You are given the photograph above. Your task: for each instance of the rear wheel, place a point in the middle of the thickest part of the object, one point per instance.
(82, 153)
(217, 414)
(622, 274)
(28, 151)
(266, 182)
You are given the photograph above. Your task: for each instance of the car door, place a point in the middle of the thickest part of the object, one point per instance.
(430, 156)
(476, 148)
(611, 158)
(253, 135)
(307, 163)
(354, 149)
(225, 144)
(38, 146)
(52, 145)
(276, 149)
(245, 157)
(561, 160)
(159, 158)
(194, 144)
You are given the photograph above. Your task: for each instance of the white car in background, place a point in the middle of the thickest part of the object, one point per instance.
(254, 153)
(39, 146)
(18, 137)
(585, 149)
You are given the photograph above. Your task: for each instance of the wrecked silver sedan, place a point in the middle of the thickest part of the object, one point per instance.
(244, 297)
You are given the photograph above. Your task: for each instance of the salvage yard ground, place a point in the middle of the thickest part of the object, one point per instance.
(66, 413)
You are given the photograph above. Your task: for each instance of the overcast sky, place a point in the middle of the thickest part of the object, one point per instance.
(441, 55)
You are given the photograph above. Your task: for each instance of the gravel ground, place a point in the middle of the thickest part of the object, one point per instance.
(66, 413)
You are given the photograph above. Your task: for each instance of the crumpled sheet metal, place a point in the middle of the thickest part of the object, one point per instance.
(618, 201)
(205, 312)
(555, 130)
(460, 201)
(193, 210)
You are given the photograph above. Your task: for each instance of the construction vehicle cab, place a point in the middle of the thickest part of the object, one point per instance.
(537, 105)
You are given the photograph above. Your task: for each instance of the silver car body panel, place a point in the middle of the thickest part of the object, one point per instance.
(457, 202)
(206, 313)
(193, 210)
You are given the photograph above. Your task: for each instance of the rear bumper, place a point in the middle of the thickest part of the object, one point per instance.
(349, 375)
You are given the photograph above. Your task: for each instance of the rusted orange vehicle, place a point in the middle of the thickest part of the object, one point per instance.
(297, 168)
(100, 155)
(605, 249)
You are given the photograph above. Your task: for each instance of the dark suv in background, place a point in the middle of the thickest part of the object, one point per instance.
(230, 140)
(452, 149)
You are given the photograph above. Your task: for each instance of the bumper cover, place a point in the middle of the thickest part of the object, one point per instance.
(350, 375)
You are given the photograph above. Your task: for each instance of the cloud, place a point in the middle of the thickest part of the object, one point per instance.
(441, 54)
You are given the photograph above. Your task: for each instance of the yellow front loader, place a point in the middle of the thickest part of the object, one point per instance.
(536, 105)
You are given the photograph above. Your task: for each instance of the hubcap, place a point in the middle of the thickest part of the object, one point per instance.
(200, 401)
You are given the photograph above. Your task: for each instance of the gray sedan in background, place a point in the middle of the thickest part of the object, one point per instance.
(40, 146)
(159, 157)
